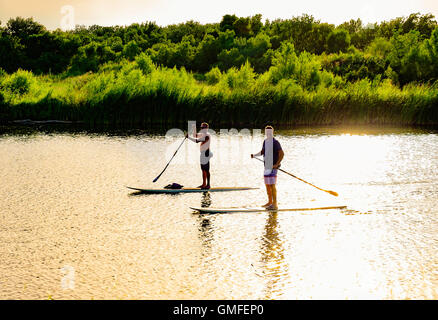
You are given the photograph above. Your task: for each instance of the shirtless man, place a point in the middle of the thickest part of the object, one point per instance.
(204, 138)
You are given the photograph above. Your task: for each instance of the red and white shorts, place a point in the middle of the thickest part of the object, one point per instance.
(271, 178)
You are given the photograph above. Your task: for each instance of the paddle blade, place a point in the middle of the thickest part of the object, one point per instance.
(333, 193)
(155, 180)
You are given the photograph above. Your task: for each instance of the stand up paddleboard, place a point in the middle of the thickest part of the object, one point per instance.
(259, 209)
(189, 190)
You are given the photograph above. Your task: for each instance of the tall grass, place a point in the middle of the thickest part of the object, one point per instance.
(139, 93)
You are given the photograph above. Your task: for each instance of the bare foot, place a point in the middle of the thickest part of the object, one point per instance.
(272, 207)
(266, 205)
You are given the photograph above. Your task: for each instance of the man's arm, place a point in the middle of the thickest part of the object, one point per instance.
(203, 139)
(257, 154)
(280, 157)
(192, 139)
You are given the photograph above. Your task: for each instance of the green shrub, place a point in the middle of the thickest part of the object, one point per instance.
(145, 63)
(284, 63)
(213, 76)
(19, 82)
(240, 78)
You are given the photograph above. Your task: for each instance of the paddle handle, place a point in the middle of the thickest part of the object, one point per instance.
(158, 177)
(333, 193)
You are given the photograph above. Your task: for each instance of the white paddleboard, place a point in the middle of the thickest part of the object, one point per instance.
(260, 209)
(190, 190)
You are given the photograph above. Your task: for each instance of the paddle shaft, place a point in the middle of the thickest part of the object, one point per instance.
(328, 191)
(170, 160)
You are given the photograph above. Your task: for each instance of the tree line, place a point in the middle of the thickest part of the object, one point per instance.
(403, 50)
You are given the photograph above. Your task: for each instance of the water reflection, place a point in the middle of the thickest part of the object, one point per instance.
(206, 199)
(272, 257)
(206, 230)
(205, 223)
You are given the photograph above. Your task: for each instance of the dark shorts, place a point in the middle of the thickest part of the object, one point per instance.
(205, 167)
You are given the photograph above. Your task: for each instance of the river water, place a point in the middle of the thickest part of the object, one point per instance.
(70, 229)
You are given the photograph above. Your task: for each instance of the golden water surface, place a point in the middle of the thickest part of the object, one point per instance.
(70, 229)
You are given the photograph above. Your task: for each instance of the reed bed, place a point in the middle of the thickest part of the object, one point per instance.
(129, 93)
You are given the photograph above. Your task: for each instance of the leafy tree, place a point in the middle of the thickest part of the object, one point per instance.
(176, 33)
(257, 51)
(352, 26)
(227, 22)
(318, 37)
(50, 52)
(354, 65)
(86, 59)
(11, 53)
(115, 43)
(131, 50)
(426, 24)
(338, 41)
(90, 56)
(230, 58)
(431, 46)
(284, 63)
(242, 27)
(297, 30)
(409, 58)
(388, 28)
(379, 48)
(161, 53)
(206, 53)
(23, 28)
(256, 24)
(364, 37)
(184, 53)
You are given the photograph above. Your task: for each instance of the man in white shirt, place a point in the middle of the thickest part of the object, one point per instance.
(204, 138)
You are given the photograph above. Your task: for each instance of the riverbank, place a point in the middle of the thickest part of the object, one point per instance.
(124, 94)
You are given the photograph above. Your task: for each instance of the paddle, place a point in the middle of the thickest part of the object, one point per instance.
(328, 191)
(169, 160)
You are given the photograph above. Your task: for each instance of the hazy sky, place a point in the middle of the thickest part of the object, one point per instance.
(124, 12)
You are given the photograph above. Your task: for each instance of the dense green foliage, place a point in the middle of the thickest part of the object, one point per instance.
(241, 70)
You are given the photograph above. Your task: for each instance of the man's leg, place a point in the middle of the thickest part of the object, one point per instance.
(208, 178)
(204, 178)
(269, 192)
(274, 195)
(207, 174)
